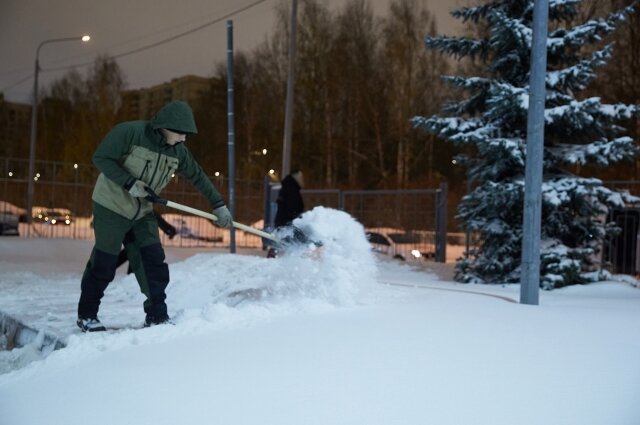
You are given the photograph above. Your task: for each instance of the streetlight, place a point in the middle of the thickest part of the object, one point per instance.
(34, 119)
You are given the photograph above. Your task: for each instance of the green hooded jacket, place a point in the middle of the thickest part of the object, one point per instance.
(137, 150)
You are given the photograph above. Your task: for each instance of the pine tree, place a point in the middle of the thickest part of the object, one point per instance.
(490, 126)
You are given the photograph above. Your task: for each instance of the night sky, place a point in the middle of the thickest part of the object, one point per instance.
(120, 26)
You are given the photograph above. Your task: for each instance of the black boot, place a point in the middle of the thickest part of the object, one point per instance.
(152, 320)
(90, 324)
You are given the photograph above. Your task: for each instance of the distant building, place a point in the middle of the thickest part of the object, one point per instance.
(142, 104)
(15, 119)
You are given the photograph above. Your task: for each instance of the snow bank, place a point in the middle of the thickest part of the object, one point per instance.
(217, 291)
(208, 291)
(335, 273)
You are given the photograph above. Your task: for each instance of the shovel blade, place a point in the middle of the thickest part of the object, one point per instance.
(290, 236)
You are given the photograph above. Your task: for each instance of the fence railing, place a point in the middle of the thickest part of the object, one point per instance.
(61, 186)
(418, 215)
(621, 253)
(413, 219)
(416, 218)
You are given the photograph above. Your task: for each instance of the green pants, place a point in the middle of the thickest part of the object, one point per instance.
(145, 253)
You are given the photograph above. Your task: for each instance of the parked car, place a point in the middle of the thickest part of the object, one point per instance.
(52, 215)
(8, 207)
(9, 218)
(400, 245)
(9, 224)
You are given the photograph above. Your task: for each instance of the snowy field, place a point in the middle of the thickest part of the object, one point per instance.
(331, 336)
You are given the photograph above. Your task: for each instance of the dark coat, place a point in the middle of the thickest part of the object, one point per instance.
(290, 204)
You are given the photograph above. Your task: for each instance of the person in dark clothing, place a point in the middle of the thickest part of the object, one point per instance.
(290, 203)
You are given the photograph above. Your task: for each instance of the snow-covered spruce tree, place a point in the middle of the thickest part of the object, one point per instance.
(490, 125)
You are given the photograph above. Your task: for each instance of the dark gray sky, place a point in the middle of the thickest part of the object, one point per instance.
(119, 26)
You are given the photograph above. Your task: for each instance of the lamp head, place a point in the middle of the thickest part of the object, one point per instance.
(86, 38)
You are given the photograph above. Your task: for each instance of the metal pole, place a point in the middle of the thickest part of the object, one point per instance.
(75, 199)
(530, 277)
(34, 120)
(441, 223)
(266, 194)
(32, 141)
(288, 117)
(467, 231)
(231, 134)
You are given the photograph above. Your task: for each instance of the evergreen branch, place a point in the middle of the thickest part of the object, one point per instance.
(506, 30)
(567, 190)
(507, 103)
(559, 10)
(602, 152)
(578, 76)
(455, 129)
(459, 47)
(474, 14)
(511, 39)
(477, 137)
(471, 106)
(591, 31)
(475, 103)
(555, 97)
(557, 4)
(589, 112)
(512, 149)
(467, 83)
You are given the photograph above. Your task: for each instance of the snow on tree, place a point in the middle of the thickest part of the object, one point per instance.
(489, 125)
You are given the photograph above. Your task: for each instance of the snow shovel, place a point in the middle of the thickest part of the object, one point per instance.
(153, 197)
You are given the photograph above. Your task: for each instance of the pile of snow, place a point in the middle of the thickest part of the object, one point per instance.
(336, 273)
(208, 290)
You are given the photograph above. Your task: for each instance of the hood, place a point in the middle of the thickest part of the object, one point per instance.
(176, 115)
(290, 182)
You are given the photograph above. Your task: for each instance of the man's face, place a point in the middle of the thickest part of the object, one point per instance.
(299, 178)
(173, 138)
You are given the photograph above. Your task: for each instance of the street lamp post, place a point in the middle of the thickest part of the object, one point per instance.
(34, 119)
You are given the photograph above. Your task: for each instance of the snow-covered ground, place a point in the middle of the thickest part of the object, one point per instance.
(332, 336)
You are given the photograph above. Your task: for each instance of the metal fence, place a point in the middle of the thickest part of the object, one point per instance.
(60, 186)
(621, 253)
(417, 214)
(68, 187)
(413, 219)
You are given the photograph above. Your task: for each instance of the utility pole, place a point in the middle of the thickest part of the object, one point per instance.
(231, 136)
(531, 225)
(288, 116)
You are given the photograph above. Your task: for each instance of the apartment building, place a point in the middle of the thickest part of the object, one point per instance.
(139, 104)
(143, 103)
(15, 120)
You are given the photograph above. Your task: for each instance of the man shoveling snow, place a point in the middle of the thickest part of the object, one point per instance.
(134, 157)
